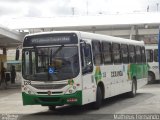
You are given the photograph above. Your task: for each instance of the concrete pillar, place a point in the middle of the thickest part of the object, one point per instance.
(131, 32)
(93, 29)
(4, 51)
(136, 33)
(3, 58)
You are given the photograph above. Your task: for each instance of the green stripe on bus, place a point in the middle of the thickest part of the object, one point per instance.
(98, 74)
(47, 100)
(137, 70)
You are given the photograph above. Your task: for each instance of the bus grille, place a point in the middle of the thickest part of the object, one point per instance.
(48, 86)
(46, 93)
(49, 99)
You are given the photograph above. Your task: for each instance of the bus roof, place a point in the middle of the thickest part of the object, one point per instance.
(110, 38)
(88, 35)
(151, 46)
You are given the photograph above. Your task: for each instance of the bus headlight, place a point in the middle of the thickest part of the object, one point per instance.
(71, 90)
(74, 87)
(27, 90)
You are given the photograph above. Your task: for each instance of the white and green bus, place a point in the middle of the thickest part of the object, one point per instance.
(152, 59)
(77, 68)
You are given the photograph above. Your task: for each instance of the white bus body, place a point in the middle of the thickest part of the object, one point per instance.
(152, 59)
(87, 68)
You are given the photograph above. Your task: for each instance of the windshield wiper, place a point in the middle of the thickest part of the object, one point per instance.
(57, 50)
(52, 56)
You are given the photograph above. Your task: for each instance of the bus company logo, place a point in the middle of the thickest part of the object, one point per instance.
(98, 74)
(70, 82)
(49, 92)
(154, 67)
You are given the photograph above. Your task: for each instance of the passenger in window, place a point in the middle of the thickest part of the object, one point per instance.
(3, 80)
(13, 74)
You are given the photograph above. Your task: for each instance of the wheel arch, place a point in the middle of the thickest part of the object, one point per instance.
(151, 72)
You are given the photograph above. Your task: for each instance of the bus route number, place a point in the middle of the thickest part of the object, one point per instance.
(116, 73)
(27, 82)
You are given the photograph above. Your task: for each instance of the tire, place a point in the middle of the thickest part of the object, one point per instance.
(52, 108)
(133, 92)
(151, 77)
(98, 102)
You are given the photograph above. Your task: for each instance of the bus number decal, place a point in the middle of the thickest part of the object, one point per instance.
(155, 67)
(27, 82)
(116, 73)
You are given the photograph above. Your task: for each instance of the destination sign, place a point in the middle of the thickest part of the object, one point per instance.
(50, 39)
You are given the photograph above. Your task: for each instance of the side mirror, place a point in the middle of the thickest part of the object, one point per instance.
(17, 54)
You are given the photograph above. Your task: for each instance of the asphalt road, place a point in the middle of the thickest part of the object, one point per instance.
(146, 102)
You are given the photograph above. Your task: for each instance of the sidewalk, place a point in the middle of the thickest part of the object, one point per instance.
(17, 83)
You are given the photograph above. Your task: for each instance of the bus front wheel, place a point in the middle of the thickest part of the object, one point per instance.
(98, 102)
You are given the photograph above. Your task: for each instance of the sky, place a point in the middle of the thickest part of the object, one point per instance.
(52, 8)
(17, 9)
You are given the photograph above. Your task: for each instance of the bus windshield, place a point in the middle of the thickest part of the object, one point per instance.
(50, 63)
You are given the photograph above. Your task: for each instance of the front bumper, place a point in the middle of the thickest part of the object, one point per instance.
(48, 100)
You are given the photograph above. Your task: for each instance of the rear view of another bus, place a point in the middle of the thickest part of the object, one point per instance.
(152, 59)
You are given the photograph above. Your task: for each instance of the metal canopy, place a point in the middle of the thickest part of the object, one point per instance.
(9, 39)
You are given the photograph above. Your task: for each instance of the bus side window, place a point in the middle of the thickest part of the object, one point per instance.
(156, 55)
(132, 55)
(125, 53)
(143, 55)
(97, 55)
(116, 53)
(138, 54)
(86, 58)
(149, 54)
(107, 52)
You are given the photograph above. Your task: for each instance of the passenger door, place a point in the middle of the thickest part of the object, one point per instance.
(87, 78)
